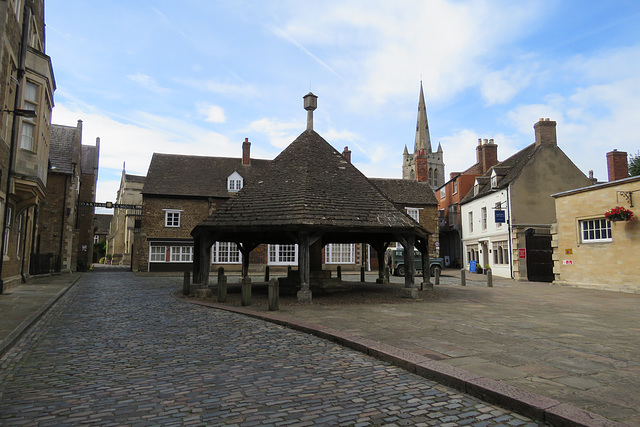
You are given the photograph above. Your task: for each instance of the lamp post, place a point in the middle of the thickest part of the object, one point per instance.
(17, 112)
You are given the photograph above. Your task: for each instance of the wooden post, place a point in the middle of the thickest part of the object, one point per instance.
(339, 272)
(274, 295)
(408, 243)
(362, 278)
(437, 278)
(266, 273)
(304, 294)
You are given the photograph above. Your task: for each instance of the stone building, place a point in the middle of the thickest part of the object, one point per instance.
(121, 239)
(449, 196)
(57, 218)
(423, 165)
(590, 250)
(507, 215)
(65, 221)
(101, 224)
(86, 211)
(26, 83)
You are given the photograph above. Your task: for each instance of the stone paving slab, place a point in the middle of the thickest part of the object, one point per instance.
(577, 346)
(117, 349)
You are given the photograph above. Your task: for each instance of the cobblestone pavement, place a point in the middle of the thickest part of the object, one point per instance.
(118, 349)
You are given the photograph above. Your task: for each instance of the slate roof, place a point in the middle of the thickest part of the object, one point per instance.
(309, 186)
(510, 168)
(139, 179)
(102, 223)
(196, 176)
(89, 159)
(406, 192)
(61, 148)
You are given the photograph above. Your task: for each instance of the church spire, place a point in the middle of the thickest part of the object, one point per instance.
(423, 139)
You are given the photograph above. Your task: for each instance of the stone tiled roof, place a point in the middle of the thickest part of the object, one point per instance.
(102, 223)
(196, 176)
(405, 191)
(89, 159)
(310, 186)
(139, 179)
(61, 148)
(510, 168)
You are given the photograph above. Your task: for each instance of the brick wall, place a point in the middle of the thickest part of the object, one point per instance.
(85, 222)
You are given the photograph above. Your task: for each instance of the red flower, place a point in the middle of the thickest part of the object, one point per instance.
(618, 213)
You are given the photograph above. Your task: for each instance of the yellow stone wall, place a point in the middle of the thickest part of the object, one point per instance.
(608, 265)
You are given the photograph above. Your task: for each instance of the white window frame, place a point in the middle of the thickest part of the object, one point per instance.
(19, 224)
(235, 182)
(595, 232)
(171, 213)
(414, 213)
(225, 253)
(494, 179)
(470, 215)
(7, 229)
(181, 254)
(281, 254)
(483, 215)
(455, 186)
(500, 252)
(443, 192)
(340, 253)
(27, 136)
(159, 254)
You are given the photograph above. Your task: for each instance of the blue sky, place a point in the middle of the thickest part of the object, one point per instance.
(197, 77)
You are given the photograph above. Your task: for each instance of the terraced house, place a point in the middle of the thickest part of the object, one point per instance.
(26, 96)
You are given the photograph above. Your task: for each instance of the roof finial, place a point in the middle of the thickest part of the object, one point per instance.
(310, 104)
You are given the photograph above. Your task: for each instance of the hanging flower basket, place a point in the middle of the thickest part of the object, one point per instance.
(619, 214)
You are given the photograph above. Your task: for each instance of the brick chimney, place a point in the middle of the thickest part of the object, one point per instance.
(422, 169)
(487, 154)
(246, 152)
(617, 165)
(545, 131)
(347, 154)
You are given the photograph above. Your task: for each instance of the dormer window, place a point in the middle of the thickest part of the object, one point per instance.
(476, 187)
(235, 182)
(494, 179)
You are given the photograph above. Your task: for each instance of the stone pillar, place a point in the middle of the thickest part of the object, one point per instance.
(266, 273)
(463, 279)
(380, 251)
(246, 291)
(426, 270)
(196, 261)
(489, 279)
(222, 288)
(304, 294)
(274, 295)
(186, 284)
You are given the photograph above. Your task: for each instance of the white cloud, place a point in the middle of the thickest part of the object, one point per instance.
(280, 134)
(212, 113)
(147, 82)
(500, 87)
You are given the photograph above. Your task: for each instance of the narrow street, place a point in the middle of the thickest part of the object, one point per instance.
(119, 349)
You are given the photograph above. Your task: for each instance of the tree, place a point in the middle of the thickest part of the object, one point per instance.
(634, 164)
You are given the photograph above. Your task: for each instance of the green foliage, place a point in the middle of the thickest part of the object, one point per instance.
(634, 164)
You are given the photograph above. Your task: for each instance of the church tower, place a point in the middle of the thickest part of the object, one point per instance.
(424, 164)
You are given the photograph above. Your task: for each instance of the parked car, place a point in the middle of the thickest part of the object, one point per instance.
(395, 261)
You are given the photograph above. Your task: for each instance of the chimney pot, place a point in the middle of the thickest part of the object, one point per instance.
(346, 153)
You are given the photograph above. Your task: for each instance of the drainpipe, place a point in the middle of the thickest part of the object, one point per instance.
(509, 228)
(23, 278)
(63, 211)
